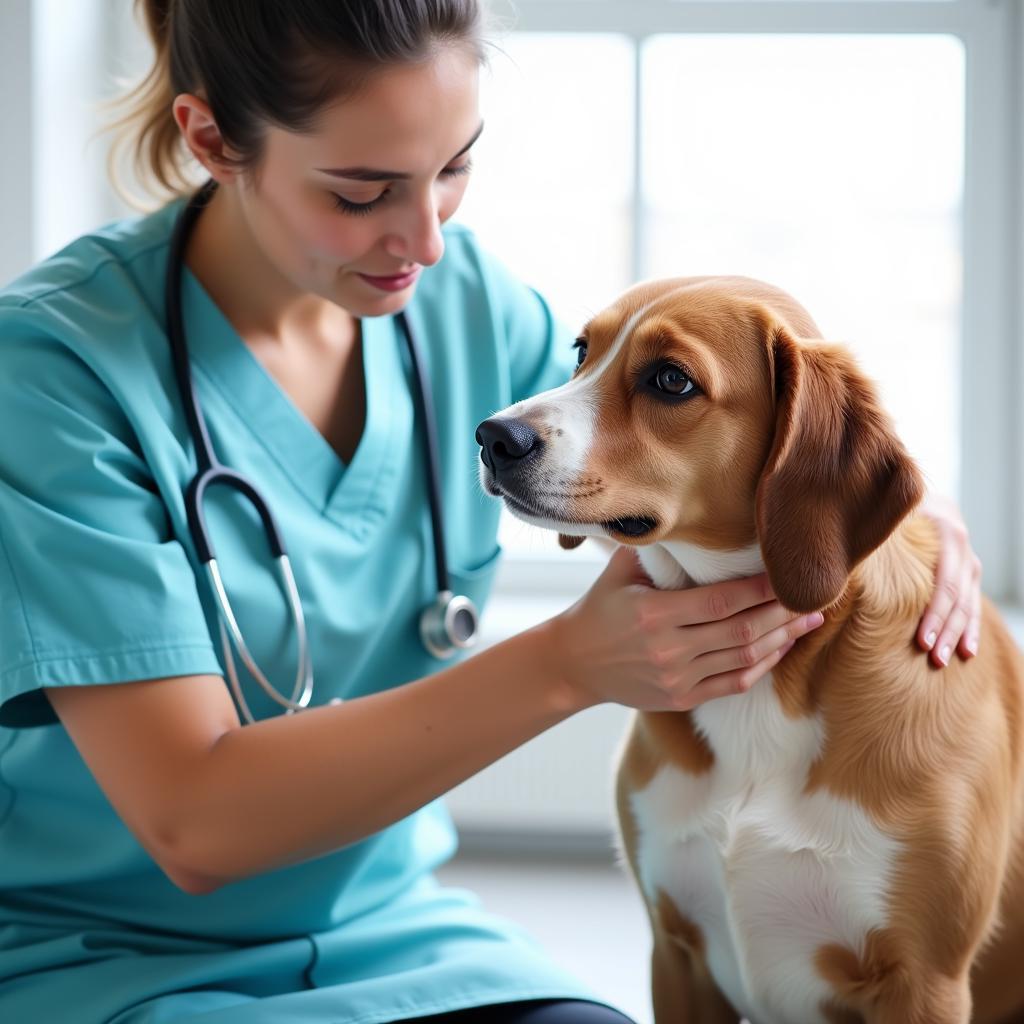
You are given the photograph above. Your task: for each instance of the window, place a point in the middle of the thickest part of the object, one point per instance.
(858, 153)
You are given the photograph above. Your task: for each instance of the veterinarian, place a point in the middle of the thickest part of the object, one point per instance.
(161, 860)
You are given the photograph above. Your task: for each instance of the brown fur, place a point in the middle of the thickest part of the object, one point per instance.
(789, 446)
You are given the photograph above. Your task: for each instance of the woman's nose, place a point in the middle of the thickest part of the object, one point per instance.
(419, 238)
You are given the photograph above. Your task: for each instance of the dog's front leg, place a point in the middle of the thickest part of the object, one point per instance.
(682, 991)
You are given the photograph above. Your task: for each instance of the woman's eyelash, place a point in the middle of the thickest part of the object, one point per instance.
(357, 209)
(454, 172)
(361, 209)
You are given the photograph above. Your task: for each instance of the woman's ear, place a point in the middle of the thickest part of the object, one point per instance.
(837, 480)
(199, 129)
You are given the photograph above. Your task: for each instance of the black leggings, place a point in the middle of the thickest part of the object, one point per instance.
(545, 1011)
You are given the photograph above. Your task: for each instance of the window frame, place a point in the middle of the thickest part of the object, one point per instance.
(992, 424)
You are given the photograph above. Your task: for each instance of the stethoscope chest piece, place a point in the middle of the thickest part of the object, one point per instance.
(451, 622)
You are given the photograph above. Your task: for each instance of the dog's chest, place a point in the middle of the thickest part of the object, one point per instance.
(767, 873)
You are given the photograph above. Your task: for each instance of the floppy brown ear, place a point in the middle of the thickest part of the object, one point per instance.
(567, 542)
(837, 480)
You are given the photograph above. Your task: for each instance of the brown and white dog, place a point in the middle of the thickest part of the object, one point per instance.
(844, 842)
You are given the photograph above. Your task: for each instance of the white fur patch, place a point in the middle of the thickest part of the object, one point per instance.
(674, 564)
(767, 873)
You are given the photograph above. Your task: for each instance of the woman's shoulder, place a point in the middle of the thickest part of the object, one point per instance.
(116, 267)
(88, 316)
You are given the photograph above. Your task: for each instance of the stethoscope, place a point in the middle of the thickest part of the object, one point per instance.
(448, 623)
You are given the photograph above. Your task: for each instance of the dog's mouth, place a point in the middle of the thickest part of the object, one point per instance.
(517, 505)
(633, 527)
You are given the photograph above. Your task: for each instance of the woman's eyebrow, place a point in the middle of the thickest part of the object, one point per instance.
(373, 174)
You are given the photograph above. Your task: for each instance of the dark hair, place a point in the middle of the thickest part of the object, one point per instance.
(271, 62)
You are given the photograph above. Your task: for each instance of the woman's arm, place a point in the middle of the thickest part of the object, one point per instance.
(213, 802)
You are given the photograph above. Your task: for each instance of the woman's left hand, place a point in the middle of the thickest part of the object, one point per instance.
(952, 620)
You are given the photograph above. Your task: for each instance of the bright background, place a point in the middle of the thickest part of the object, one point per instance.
(831, 166)
(865, 155)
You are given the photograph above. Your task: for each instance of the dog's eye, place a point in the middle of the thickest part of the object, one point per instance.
(581, 346)
(673, 381)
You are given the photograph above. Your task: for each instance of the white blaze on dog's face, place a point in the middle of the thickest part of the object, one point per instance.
(664, 429)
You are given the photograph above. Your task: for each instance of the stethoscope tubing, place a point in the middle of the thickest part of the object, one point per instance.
(442, 624)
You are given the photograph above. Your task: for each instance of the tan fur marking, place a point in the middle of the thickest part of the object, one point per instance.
(838, 1015)
(680, 929)
(881, 985)
(659, 738)
(683, 990)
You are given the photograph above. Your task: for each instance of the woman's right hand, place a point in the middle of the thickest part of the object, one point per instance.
(626, 642)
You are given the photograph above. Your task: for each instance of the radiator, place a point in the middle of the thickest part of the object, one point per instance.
(555, 790)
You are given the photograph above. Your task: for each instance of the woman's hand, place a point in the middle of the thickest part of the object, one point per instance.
(628, 643)
(952, 620)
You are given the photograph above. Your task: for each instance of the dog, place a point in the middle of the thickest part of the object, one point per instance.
(844, 842)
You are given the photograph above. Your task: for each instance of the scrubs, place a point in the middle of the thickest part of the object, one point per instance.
(99, 584)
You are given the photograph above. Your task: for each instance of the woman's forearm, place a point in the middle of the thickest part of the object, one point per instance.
(292, 788)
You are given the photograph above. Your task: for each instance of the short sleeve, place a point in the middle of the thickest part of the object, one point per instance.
(541, 353)
(94, 588)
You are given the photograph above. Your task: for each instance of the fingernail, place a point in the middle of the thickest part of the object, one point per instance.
(814, 620)
(944, 654)
(972, 645)
(930, 638)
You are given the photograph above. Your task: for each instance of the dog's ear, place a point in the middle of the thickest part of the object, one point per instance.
(567, 542)
(837, 480)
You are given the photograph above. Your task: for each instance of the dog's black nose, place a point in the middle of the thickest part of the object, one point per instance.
(504, 443)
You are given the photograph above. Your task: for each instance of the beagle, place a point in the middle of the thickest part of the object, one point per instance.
(843, 843)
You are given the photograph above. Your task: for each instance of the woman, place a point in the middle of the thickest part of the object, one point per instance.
(161, 862)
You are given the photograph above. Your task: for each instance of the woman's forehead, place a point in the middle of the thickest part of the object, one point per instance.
(402, 117)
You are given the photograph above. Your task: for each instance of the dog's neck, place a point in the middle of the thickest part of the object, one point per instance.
(883, 599)
(676, 565)
(895, 580)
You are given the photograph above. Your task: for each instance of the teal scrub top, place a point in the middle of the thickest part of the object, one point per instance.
(99, 584)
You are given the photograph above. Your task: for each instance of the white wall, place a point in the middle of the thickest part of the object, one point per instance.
(59, 60)
(81, 52)
(16, 121)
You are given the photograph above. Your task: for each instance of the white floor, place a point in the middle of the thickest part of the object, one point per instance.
(586, 913)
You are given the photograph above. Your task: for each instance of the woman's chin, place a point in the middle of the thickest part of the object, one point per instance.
(360, 304)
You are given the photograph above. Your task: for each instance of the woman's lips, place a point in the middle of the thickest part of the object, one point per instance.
(394, 283)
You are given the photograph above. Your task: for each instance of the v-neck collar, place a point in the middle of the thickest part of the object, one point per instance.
(354, 495)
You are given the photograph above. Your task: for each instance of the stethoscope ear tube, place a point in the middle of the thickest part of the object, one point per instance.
(205, 457)
(450, 623)
(221, 475)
